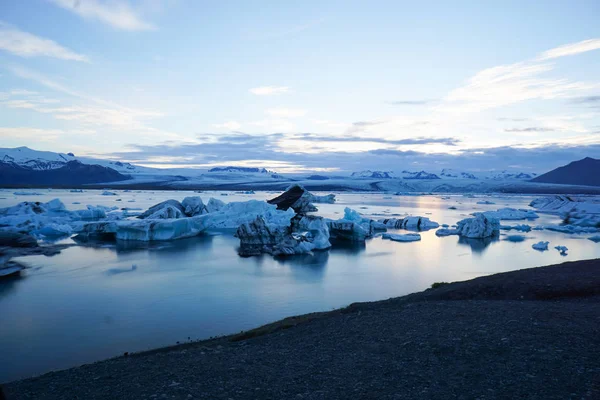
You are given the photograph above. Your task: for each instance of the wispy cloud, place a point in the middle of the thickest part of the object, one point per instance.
(283, 112)
(530, 129)
(117, 13)
(571, 49)
(587, 100)
(231, 125)
(411, 102)
(24, 44)
(448, 141)
(269, 90)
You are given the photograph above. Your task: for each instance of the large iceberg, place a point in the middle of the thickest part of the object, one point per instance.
(230, 216)
(301, 235)
(481, 226)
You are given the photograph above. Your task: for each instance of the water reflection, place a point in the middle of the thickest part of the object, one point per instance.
(477, 246)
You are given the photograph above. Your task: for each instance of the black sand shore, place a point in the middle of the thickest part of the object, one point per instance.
(528, 334)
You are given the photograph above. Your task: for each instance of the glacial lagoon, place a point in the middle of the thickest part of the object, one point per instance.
(99, 300)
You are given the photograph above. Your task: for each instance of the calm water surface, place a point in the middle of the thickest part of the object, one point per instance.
(91, 303)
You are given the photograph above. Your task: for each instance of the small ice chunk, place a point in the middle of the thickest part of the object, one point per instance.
(408, 237)
(540, 246)
(562, 250)
(515, 238)
(107, 193)
(595, 239)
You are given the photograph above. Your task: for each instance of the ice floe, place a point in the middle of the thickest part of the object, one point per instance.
(540, 246)
(595, 239)
(408, 237)
(446, 232)
(521, 228)
(511, 214)
(416, 223)
(562, 250)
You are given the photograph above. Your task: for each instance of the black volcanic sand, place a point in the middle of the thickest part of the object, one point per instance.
(528, 334)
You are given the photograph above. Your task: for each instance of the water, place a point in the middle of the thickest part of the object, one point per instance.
(91, 303)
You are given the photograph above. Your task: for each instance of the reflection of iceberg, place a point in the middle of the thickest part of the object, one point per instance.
(477, 245)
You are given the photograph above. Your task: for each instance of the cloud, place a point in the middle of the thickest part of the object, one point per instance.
(586, 100)
(571, 49)
(411, 102)
(509, 84)
(116, 13)
(361, 126)
(399, 142)
(285, 112)
(530, 129)
(240, 148)
(269, 90)
(26, 133)
(24, 44)
(231, 125)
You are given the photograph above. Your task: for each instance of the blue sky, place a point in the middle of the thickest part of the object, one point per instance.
(312, 85)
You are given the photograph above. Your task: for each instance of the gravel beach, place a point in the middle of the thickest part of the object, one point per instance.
(528, 334)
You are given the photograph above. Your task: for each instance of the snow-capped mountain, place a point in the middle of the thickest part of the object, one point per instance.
(247, 170)
(450, 173)
(419, 175)
(373, 174)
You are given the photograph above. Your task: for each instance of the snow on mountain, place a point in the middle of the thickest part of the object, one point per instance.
(450, 173)
(419, 175)
(373, 174)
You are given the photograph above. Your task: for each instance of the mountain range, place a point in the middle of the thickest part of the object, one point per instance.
(22, 167)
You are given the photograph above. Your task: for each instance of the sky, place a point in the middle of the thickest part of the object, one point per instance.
(328, 86)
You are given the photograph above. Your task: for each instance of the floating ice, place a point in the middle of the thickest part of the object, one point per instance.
(446, 232)
(409, 237)
(595, 239)
(418, 223)
(521, 228)
(481, 226)
(562, 250)
(511, 214)
(515, 238)
(485, 202)
(107, 193)
(540, 246)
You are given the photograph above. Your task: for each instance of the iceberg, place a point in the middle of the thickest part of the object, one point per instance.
(417, 223)
(300, 199)
(301, 235)
(511, 214)
(540, 246)
(562, 250)
(515, 238)
(193, 206)
(107, 193)
(164, 210)
(595, 239)
(481, 226)
(354, 227)
(409, 237)
(521, 228)
(485, 202)
(230, 216)
(446, 232)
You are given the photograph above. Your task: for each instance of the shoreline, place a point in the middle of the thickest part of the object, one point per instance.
(573, 286)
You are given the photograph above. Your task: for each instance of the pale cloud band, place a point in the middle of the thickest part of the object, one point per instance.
(118, 14)
(24, 44)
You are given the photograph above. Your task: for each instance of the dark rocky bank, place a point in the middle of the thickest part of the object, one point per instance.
(528, 334)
